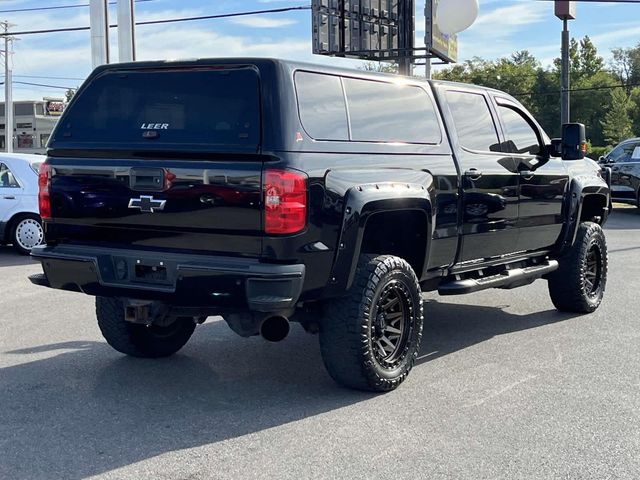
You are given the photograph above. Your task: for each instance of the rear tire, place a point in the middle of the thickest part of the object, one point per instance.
(26, 233)
(370, 339)
(578, 285)
(140, 340)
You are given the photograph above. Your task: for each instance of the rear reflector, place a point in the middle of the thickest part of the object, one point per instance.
(285, 201)
(44, 181)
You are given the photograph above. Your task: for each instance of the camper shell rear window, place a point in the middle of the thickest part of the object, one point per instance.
(166, 108)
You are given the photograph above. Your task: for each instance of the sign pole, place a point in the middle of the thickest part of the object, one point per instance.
(565, 101)
(405, 63)
(565, 11)
(428, 22)
(98, 20)
(126, 31)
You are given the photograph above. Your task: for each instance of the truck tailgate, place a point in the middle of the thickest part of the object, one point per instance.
(212, 206)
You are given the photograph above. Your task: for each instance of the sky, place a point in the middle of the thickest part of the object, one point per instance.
(63, 59)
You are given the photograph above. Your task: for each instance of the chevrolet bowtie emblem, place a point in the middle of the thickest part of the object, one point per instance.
(147, 204)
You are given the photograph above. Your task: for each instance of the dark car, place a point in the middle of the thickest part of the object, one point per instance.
(624, 161)
(268, 191)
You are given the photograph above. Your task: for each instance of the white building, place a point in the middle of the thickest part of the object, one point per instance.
(34, 121)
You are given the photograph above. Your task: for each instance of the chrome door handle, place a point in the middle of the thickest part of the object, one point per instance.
(9, 197)
(526, 174)
(473, 173)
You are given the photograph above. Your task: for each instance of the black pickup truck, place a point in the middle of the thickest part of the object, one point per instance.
(267, 191)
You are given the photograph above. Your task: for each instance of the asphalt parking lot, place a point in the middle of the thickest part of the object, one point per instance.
(505, 387)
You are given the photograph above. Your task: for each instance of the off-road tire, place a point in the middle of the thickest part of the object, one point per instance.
(348, 330)
(569, 286)
(140, 340)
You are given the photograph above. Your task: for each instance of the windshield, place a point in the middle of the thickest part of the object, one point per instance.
(154, 108)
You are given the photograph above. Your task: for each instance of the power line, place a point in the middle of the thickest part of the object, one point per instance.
(170, 20)
(59, 7)
(42, 85)
(49, 78)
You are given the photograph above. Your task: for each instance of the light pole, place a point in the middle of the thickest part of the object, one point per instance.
(8, 88)
(565, 11)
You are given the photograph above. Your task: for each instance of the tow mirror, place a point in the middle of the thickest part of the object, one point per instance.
(555, 148)
(574, 141)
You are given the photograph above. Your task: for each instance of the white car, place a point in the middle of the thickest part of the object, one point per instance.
(20, 222)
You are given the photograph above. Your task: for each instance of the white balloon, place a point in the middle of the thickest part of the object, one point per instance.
(454, 16)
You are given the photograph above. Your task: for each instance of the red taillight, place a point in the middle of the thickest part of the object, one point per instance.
(285, 201)
(44, 180)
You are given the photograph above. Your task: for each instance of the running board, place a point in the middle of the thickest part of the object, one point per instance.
(513, 278)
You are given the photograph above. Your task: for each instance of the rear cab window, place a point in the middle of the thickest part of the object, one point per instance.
(159, 108)
(333, 107)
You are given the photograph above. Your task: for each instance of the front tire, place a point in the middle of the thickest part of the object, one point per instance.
(26, 233)
(139, 340)
(578, 285)
(370, 339)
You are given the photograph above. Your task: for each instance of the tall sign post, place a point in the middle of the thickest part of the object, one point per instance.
(99, 23)
(565, 11)
(126, 31)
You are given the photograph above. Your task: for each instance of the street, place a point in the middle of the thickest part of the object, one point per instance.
(505, 387)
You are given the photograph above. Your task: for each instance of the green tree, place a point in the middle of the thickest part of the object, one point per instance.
(380, 67)
(69, 94)
(616, 124)
(625, 65)
(634, 110)
(589, 62)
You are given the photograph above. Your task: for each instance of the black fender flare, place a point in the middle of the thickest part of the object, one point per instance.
(580, 188)
(363, 201)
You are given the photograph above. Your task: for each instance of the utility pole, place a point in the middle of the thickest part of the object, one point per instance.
(565, 11)
(8, 87)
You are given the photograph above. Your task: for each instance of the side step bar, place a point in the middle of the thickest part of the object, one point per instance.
(513, 278)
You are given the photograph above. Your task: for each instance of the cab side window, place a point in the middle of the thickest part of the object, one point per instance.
(474, 123)
(7, 180)
(520, 136)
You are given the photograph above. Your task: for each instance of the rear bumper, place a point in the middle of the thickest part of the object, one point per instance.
(210, 283)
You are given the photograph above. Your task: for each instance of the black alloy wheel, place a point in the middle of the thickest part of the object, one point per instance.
(579, 283)
(390, 324)
(370, 338)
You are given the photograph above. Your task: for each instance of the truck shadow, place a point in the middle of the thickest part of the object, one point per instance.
(85, 409)
(10, 258)
(451, 327)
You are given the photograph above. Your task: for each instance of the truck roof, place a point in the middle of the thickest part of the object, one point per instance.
(289, 64)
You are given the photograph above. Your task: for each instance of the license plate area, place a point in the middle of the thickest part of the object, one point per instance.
(139, 270)
(150, 273)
